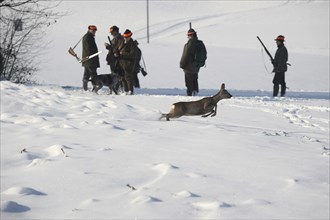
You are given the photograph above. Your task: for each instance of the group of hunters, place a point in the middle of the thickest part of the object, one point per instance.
(124, 59)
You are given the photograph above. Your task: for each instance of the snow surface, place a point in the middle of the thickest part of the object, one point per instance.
(69, 154)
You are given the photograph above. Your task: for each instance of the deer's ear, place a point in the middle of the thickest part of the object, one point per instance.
(223, 86)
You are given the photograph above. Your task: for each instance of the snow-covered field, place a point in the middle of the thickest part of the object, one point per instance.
(69, 154)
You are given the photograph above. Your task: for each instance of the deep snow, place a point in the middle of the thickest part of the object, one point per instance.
(69, 154)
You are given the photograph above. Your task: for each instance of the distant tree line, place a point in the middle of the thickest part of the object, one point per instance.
(23, 25)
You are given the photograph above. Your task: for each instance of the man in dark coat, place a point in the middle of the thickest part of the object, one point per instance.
(113, 48)
(137, 66)
(280, 66)
(127, 55)
(187, 63)
(89, 48)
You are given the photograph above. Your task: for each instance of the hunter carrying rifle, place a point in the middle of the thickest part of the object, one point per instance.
(89, 48)
(112, 46)
(280, 65)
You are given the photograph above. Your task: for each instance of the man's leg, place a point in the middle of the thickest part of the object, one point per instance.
(86, 78)
(276, 84)
(195, 84)
(189, 83)
(283, 84)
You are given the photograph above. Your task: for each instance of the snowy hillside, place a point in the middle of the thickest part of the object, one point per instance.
(69, 154)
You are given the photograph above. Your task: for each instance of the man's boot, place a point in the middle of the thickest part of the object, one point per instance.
(275, 90)
(85, 82)
(131, 88)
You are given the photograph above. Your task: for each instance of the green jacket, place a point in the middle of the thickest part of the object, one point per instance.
(113, 48)
(188, 56)
(90, 48)
(127, 57)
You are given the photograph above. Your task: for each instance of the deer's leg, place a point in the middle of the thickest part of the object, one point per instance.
(208, 108)
(206, 115)
(214, 111)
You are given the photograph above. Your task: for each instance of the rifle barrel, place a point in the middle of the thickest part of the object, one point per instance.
(271, 57)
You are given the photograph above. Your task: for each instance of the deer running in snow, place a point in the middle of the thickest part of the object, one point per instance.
(205, 107)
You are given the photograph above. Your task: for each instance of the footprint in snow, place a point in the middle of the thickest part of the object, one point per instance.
(14, 207)
(279, 133)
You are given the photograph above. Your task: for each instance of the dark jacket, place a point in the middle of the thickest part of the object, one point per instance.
(113, 48)
(188, 56)
(127, 56)
(280, 60)
(137, 66)
(90, 48)
(116, 42)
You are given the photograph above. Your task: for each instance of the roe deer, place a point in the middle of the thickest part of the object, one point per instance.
(205, 107)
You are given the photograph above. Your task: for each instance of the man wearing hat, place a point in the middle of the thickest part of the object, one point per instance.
(88, 48)
(280, 66)
(127, 51)
(186, 63)
(113, 48)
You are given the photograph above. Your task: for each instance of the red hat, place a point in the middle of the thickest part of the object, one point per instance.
(191, 32)
(280, 38)
(127, 33)
(92, 27)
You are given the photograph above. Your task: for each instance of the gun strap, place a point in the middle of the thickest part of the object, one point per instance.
(144, 64)
(77, 43)
(263, 60)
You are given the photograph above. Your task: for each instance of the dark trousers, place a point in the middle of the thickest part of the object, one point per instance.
(88, 73)
(279, 79)
(128, 82)
(191, 80)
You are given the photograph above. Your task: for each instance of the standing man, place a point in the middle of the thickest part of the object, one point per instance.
(280, 66)
(117, 40)
(137, 66)
(89, 48)
(127, 55)
(190, 64)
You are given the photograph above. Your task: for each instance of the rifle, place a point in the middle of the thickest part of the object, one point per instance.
(71, 50)
(109, 40)
(271, 57)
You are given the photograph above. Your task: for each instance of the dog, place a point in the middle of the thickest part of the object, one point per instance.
(110, 80)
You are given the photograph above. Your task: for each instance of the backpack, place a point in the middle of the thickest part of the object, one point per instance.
(200, 54)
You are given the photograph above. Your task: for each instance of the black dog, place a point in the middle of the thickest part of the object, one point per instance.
(110, 80)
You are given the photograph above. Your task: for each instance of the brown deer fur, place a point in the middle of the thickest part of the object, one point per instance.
(205, 107)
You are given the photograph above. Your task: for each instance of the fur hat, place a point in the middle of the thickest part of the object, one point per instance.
(127, 33)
